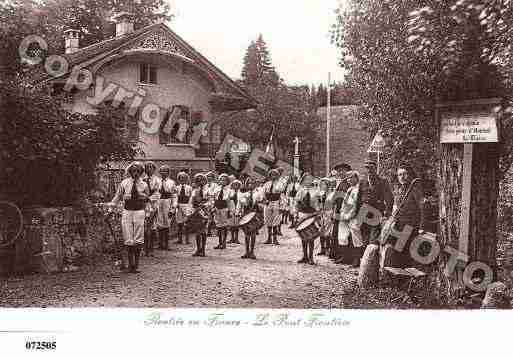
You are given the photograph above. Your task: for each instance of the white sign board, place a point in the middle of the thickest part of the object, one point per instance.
(468, 128)
(377, 145)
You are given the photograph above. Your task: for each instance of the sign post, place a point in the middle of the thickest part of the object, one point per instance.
(296, 156)
(468, 123)
(377, 146)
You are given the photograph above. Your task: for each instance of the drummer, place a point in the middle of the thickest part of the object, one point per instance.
(200, 202)
(167, 192)
(272, 190)
(182, 205)
(307, 205)
(235, 197)
(223, 209)
(154, 184)
(250, 200)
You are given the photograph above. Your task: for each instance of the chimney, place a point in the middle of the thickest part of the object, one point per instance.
(71, 39)
(124, 23)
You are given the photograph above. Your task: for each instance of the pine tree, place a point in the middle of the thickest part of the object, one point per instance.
(257, 68)
(249, 73)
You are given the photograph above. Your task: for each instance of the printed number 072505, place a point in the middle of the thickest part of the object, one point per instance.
(40, 345)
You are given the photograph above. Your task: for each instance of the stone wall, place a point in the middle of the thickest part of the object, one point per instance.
(57, 239)
(348, 141)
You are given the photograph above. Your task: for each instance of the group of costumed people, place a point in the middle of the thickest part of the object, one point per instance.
(211, 202)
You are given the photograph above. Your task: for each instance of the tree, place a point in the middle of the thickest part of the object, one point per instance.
(287, 109)
(49, 156)
(38, 138)
(404, 57)
(257, 66)
(50, 18)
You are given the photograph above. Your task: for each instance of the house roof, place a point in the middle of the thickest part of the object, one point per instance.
(228, 93)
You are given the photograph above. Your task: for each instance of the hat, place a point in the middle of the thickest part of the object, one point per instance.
(342, 166)
(369, 163)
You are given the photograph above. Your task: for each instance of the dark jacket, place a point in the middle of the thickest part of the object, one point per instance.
(377, 194)
(412, 211)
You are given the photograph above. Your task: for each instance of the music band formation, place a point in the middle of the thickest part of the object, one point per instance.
(223, 205)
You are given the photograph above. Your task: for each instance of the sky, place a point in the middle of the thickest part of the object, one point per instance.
(296, 33)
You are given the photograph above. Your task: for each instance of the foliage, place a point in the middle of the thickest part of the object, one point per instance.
(48, 155)
(290, 110)
(257, 65)
(49, 18)
(403, 57)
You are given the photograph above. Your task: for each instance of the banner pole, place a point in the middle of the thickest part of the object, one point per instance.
(328, 125)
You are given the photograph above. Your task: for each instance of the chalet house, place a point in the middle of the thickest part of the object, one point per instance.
(158, 68)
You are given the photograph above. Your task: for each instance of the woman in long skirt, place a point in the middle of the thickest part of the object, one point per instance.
(325, 209)
(349, 232)
(134, 193)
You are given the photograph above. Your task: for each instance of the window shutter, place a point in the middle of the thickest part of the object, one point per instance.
(143, 73)
(153, 74)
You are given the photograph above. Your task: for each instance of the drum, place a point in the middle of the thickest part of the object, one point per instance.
(196, 222)
(308, 228)
(251, 222)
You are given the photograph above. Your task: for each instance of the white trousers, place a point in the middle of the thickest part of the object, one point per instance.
(132, 226)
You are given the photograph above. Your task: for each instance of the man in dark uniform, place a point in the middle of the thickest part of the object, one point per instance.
(376, 193)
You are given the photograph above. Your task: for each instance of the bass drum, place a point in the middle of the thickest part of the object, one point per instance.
(308, 228)
(251, 222)
(196, 222)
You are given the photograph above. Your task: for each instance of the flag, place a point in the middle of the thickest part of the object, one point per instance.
(271, 148)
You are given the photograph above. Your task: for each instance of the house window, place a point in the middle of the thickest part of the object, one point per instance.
(147, 74)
